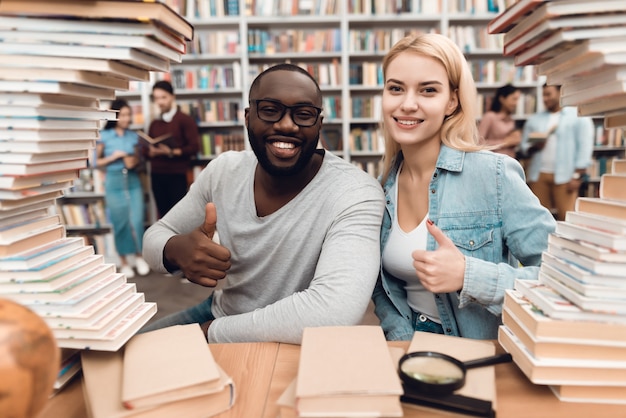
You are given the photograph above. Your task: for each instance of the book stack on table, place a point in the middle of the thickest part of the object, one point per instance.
(568, 329)
(577, 44)
(58, 60)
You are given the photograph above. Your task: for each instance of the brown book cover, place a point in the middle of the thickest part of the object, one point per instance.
(104, 400)
(147, 382)
(152, 140)
(347, 371)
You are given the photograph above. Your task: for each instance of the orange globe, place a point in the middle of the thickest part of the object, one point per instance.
(29, 361)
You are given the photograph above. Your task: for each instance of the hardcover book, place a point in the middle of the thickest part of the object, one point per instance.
(549, 347)
(332, 380)
(562, 371)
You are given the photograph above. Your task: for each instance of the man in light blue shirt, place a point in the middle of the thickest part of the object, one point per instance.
(558, 163)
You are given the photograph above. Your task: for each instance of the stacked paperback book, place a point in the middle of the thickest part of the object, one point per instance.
(577, 44)
(59, 59)
(568, 329)
(165, 373)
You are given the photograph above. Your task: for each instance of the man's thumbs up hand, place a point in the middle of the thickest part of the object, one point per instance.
(442, 270)
(201, 260)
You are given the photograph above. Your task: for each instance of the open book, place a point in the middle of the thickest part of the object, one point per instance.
(152, 140)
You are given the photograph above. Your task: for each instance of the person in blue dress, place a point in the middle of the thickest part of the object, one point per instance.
(117, 155)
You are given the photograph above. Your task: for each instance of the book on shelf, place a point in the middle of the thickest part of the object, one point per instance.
(103, 401)
(562, 40)
(590, 393)
(20, 229)
(553, 16)
(612, 306)
(609, 289)
(541, 326)
(43, 38)
(615, 119)
(556, 306)
(549, 347)
(152, 140)
(331, 354)
(43, 146)
(146, 383)
(561, 371)
(618, 166)
(592, 220)
(40, 168)
(512, 15)
(88, 78)
(90, 26)
(110, 67)
(131, 56)
(592, 235)
(37, 157)
(603, 207)
(578, 268)
(40, 257)
(600, 90)
(16, 245)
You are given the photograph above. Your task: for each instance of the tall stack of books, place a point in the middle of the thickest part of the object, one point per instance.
(568, 328)
(58, 60)
(577, 44)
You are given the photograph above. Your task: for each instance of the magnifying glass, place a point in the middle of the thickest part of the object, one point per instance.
(437, 373)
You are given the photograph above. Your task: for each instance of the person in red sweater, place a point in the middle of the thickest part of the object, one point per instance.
(169, 159)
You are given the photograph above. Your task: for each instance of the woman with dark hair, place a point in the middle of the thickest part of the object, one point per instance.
(117, 156)
(497, 126)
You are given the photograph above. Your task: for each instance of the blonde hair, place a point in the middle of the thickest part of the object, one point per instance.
(459, 130)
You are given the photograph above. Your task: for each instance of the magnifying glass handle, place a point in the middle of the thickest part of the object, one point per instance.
(488, 361)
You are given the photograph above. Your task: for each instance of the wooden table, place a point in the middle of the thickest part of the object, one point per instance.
(262, 371)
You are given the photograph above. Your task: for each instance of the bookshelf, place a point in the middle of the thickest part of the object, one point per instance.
(342, 44)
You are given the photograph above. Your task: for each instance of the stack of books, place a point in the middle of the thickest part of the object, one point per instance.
(59, 59)
(577, 44)
(150, 377)
(568, 328)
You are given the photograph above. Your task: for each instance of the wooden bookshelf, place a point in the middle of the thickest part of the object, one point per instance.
(342, 44)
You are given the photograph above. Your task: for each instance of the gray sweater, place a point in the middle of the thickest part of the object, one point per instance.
(314, 262)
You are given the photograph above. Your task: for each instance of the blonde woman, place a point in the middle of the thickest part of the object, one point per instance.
(459, 219)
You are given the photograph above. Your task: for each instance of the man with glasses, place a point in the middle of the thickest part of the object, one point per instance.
(298, 227)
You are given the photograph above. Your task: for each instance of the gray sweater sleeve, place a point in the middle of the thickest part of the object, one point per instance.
(312, 263)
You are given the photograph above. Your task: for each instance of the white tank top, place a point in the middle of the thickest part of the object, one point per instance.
(397, 261)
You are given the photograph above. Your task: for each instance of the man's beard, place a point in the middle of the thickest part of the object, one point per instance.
(259, 147)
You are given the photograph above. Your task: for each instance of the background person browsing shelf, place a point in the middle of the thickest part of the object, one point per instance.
(117, 153)
(298, 227)
(559, 145)
(458, 218)
(497, 126)
(169, 159)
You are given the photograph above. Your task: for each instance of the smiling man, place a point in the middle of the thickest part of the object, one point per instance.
(298, 227)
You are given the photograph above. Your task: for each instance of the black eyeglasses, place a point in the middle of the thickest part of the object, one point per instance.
(272, 111)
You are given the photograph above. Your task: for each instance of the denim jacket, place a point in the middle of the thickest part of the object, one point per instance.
(482, 203)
